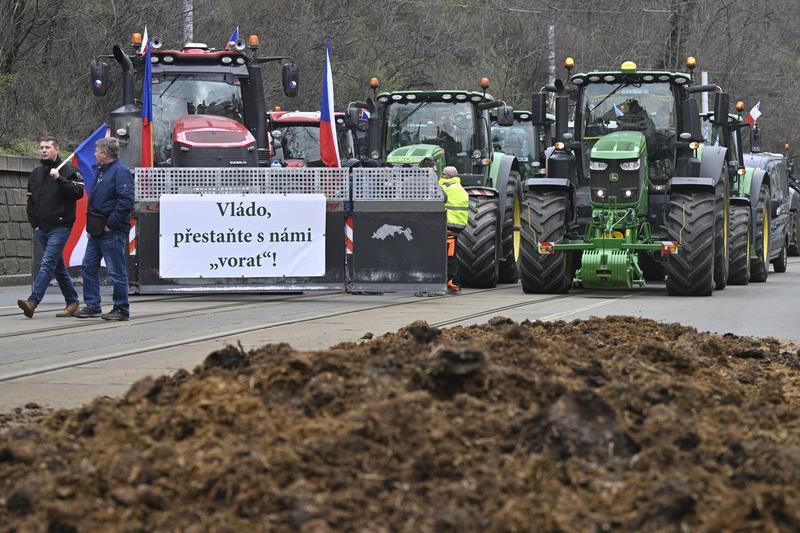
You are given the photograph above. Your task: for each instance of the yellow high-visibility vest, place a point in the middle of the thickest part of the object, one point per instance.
(456, 202)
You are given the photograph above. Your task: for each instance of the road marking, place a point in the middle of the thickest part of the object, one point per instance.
(556, 316)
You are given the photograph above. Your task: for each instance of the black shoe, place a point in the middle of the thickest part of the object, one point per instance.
(115, 314)
(88, 312)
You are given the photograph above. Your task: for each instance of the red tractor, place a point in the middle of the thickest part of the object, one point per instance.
(208, 104)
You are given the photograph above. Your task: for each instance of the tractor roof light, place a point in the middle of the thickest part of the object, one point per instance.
(136, 39)
(569, 64)
(558, 145)
(739, 106)
(628, 67)
(253, 42)
(691, 62)
(374, 83)
(484, 83)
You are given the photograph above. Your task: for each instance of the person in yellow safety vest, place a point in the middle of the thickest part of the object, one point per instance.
(456, 201)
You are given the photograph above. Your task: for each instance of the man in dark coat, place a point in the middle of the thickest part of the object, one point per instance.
(52, 195)
(110, 201)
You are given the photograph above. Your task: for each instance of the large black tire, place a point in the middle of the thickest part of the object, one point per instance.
(477, 252)
(721, 235)
(544, 219)
(759, 262)
(691, 219)
(794, 235)
(509, 269)
(739, 273)
(779, 263)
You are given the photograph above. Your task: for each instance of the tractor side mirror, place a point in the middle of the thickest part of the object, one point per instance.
(98, 72)
(539, 109)
(755, 139)
(505, 115)
(351, 117)
(691, 119)
(722, 106)
(290, 75)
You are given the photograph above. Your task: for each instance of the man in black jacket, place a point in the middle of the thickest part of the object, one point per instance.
(51, 211)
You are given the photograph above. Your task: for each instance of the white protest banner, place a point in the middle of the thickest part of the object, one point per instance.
(233, 235)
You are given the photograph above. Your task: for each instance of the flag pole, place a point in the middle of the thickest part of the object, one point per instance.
(67, 160)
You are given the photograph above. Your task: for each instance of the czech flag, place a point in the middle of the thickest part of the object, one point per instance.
(328, 148)
(147, 104)
(232, 39)
(84, 160)
(754, 114)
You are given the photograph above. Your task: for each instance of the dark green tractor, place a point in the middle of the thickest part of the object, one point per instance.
(455, 125)
(627, 197)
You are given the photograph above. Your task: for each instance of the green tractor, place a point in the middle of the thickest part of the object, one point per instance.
(452, 127)
(626, 198)
(523, 140)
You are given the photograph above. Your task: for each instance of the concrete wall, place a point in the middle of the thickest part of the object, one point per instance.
(15, 232)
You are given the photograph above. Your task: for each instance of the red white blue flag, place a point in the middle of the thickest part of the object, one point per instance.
(232, 39)
(84, 160)
(147, 104)
(752, 117)
(328, 148)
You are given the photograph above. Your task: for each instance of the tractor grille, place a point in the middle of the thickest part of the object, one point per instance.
(613, 182)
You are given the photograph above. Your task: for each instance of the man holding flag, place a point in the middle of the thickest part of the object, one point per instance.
(53, 189)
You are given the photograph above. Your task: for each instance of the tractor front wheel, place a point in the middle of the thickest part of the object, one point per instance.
(779, 263)
(691, 219)
(544, 219)
(477, 252)
(739, 273)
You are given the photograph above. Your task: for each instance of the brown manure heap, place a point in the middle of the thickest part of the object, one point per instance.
(613, 424)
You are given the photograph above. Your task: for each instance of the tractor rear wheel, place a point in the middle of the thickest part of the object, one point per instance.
(477, 252)
(544, 219)
(739, 273)
(721, 236)
(509, 270)
(759, 263)
(691, 219)
(794, 235)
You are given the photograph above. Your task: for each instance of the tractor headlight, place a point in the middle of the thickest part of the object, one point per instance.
(630, 165)
(628, 193)
(598, 165)
(601, 193)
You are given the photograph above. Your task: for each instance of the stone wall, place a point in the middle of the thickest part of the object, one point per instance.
(15, 232)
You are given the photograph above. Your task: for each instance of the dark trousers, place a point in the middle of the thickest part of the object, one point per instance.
(452, 262)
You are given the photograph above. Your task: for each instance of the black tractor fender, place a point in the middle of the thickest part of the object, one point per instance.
(507, 164)
(760, 177)
(554, 183)
(712, 167)
(740, 200)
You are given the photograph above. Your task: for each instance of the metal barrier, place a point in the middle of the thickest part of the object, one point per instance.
(153, 183)
(399, 231)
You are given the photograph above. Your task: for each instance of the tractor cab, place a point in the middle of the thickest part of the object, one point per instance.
(523, 140)
(454, 121)
(207, 105)
(627, 126)
(297, 133)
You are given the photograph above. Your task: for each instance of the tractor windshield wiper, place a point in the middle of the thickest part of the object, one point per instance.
(617, 88)
(412, 112)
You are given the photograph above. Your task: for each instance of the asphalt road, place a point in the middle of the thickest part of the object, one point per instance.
(65, 362)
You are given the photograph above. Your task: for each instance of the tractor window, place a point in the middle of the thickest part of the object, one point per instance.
(451, 125)
(646, 107)
(178, 95)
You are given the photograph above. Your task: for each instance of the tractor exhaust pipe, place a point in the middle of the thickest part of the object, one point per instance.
(127, 75)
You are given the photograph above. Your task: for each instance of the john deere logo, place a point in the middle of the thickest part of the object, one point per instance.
(613, 176)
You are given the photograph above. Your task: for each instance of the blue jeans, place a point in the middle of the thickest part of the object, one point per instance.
(53, 242)
(110, 246)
